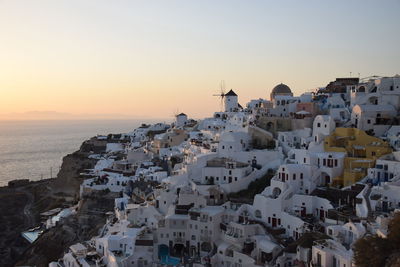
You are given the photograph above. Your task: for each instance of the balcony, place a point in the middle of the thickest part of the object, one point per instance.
(179, 240)
(234, 238)
(205, 238)
(203, 219)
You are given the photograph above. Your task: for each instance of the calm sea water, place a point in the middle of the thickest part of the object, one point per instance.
(30, 149)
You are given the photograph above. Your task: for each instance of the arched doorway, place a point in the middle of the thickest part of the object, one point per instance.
(276, 192)
(206, 246)
(178, 250)
(325, 179)
(163, 251)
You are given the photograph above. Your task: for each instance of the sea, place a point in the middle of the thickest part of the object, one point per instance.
(34, 149)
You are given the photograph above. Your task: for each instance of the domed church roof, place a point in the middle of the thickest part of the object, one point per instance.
(281, 89)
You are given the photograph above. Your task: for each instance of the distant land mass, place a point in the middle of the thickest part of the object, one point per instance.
(55, 115)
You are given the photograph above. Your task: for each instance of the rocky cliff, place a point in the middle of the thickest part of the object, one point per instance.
(22, 203)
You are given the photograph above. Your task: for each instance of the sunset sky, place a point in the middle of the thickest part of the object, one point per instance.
(152, 58)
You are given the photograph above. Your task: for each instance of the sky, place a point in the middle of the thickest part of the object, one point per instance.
(151, 59)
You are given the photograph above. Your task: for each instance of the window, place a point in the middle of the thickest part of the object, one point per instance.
(304, 160)
(294, 176)
(301, 175)
(368, 121)
(318, 124)
(335, 162)
(257, 213)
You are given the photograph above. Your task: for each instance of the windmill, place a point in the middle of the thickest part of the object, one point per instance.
(222, 93)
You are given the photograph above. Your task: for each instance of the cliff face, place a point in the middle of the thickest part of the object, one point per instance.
(21, 205)
(68, 179)
(12, 222)
(77, 228)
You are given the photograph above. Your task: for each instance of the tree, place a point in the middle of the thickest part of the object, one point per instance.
(371, 251)
(394, 232)
(374, 251)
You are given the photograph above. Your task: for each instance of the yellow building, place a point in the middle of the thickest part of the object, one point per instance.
(361, 150)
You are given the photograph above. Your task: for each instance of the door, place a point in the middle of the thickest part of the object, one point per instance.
(321, 214)
(303, 211)
(384, 206)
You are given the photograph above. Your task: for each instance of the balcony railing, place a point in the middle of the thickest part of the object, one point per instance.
(205, 238)
(179, 240)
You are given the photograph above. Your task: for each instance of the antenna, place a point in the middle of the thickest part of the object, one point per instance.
(175, 112)
(222, 93)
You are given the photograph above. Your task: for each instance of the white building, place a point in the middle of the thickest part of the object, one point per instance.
(331, 253)
(231, 142)
(323, 126)
(284, 105)
(125, 246)
(373, 117)
(346, 234)
(383, 91)
(231, 101)
(386, 168)
(224, 170)
(181, 120)
(392, 136)
(294, 139)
